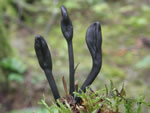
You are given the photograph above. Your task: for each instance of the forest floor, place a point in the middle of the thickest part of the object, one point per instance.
(126, 59)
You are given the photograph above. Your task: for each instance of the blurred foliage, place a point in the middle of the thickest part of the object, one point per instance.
(31, 110)
(5, 47)
(11, 67)
(13, 64)
(15, 67)
(144, 63)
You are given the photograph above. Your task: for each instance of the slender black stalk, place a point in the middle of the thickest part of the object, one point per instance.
(94, 43)
(67, 30)
(45, 61)
(52, 83)
(71, 65)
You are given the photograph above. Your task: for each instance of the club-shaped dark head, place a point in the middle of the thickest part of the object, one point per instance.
(94, 41)
(66, 25)
(42, 53)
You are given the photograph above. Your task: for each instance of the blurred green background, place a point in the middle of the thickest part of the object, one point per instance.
(126, 48)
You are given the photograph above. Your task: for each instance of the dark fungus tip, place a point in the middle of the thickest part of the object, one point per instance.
(38, 37)
(40, 44)
(94, 39)
(64, 13)
(42, 52)
(95, 27)
(94, 43)
(98, 26)
(66, 25)
(37, 44)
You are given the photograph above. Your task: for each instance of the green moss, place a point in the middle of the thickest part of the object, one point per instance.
(108, 99)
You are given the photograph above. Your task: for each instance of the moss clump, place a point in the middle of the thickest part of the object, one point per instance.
(107, 100)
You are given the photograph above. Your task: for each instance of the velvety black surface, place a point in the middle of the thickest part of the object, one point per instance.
(45, 61)
(67, 30)
(94, 43)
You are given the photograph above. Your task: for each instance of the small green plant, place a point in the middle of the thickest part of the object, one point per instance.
(107, 100)
(15, 68)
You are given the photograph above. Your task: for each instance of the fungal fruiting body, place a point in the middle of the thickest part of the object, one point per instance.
(67, 30)
(94, 44)
(45, 61)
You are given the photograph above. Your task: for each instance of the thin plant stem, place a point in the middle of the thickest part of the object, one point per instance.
(52, 83)
(71, 67)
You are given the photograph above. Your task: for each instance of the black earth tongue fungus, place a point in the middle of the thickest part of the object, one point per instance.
(67, 30)
(94, 43)
(45, 61)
